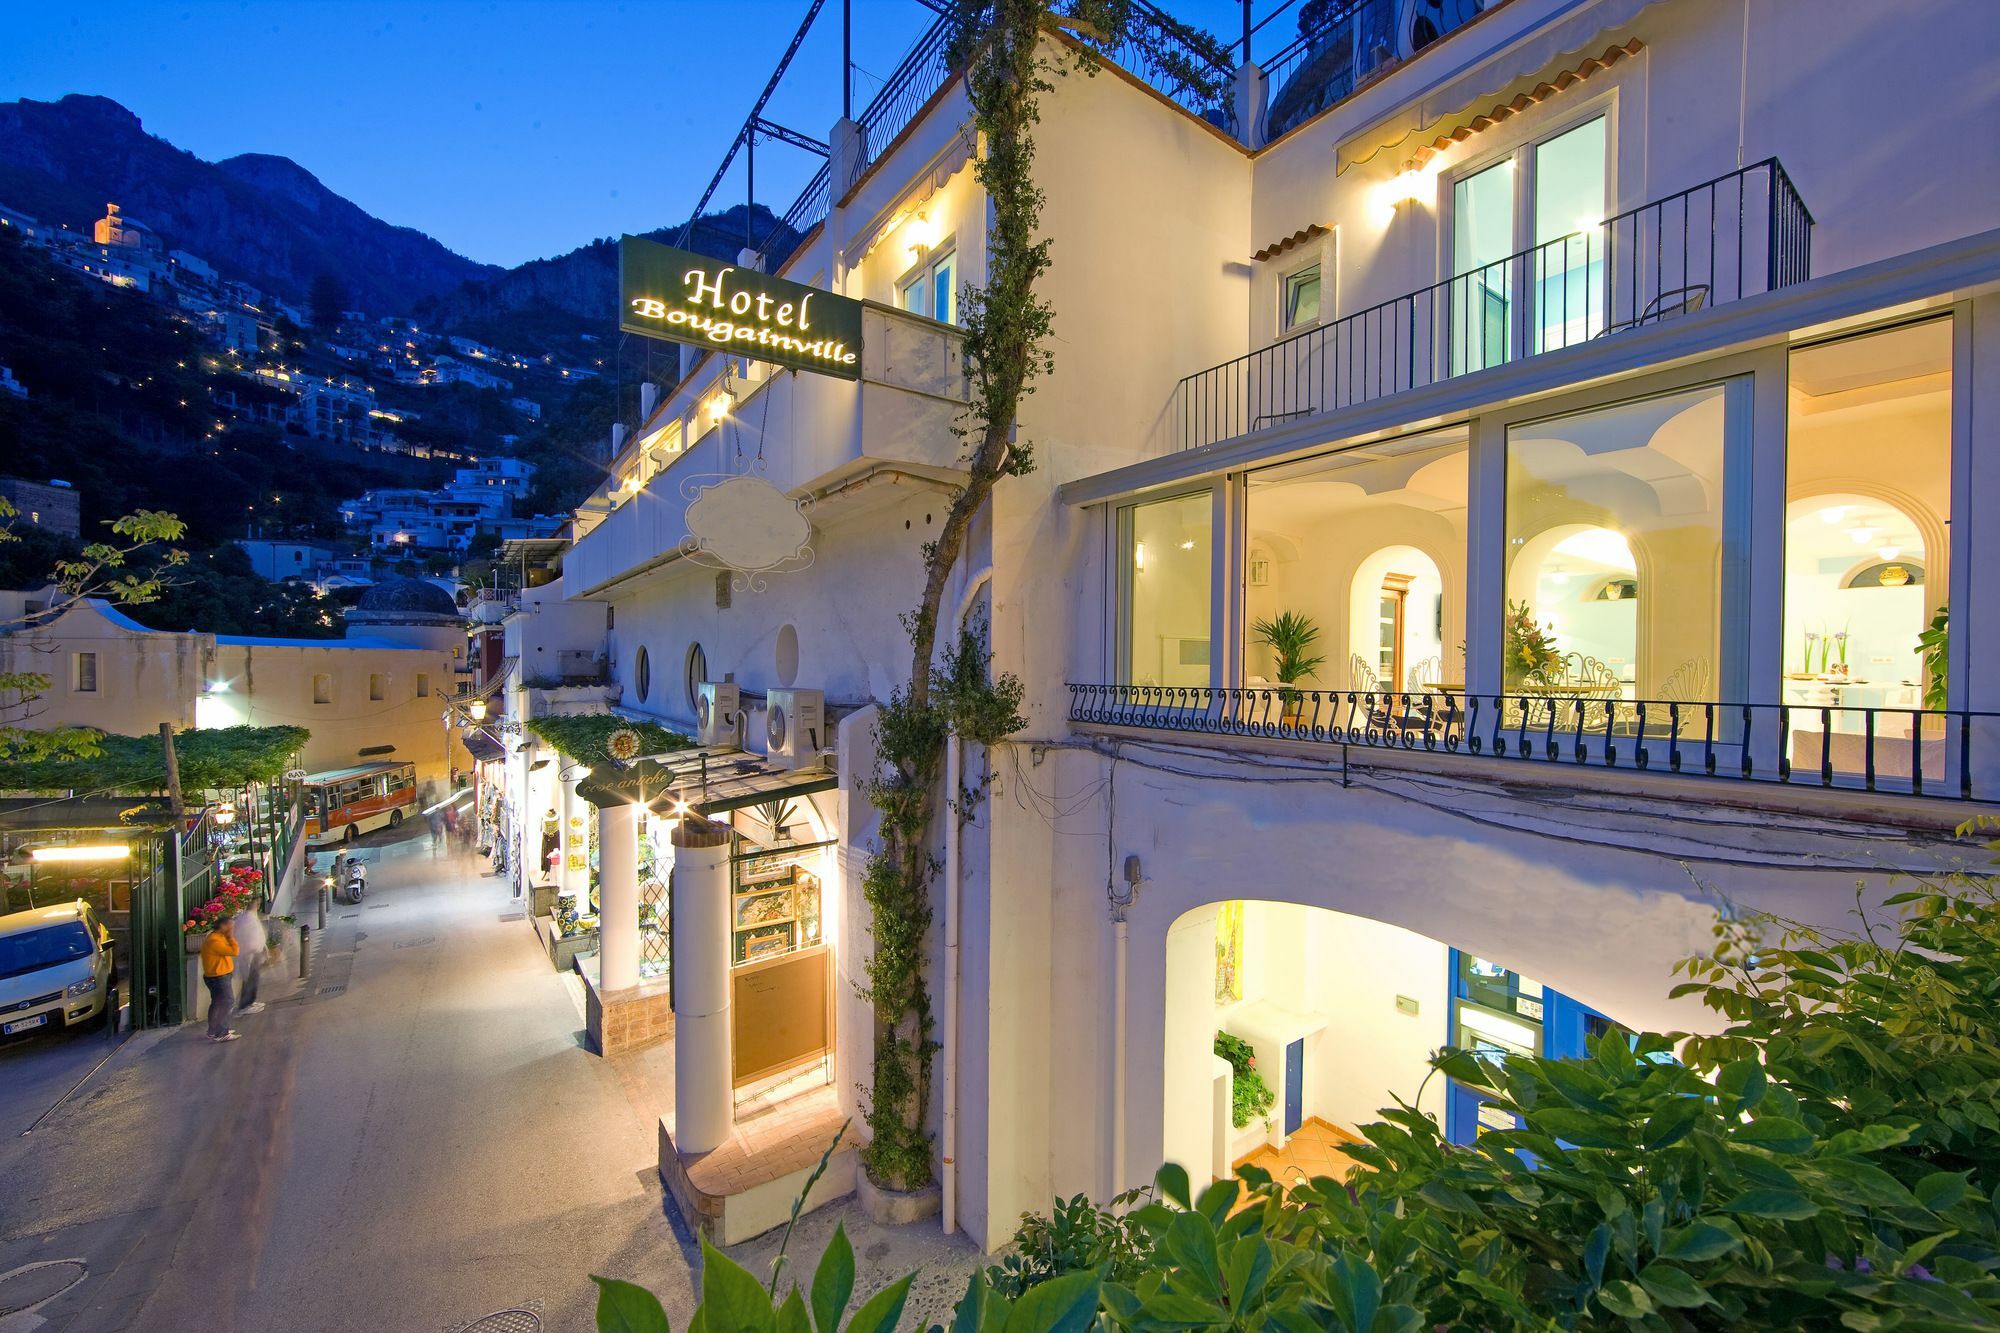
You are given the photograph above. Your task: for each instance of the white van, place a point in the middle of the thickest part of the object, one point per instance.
(55, 969)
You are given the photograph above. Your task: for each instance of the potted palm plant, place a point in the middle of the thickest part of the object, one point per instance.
(1290, 637)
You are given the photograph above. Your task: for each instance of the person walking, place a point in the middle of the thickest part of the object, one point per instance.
(218, 961)
(436, 821)
(251, 941)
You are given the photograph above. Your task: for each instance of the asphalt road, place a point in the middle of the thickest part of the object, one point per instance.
(429, 1145)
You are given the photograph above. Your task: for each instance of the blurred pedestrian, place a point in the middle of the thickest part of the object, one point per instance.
(251, 941)
(436, 821)
(451, 823)
(218, 961)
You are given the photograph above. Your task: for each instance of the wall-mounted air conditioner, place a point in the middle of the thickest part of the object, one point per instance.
(716, 710)
(795, 727)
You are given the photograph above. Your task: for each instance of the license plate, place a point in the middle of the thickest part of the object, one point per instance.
(22, 1024)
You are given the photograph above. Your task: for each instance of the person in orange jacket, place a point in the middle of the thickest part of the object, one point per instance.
(218, 961)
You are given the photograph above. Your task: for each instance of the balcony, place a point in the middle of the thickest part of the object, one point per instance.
(1738, 235)
(809, 434)
(1934, 754)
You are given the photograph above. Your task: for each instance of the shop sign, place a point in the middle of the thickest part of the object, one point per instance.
(682, 296)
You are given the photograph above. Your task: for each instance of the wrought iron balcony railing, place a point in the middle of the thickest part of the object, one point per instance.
(1915, 752)
(1735, 236)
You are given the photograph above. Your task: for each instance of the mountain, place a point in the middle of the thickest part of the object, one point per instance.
(263, 219)
(545, 299)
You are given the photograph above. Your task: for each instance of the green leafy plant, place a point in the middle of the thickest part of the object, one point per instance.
(1935, 645)
(1251, 1097)
(1290, 637)
(1531, 655)
(1829, 1160)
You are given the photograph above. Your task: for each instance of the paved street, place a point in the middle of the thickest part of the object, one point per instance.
(427, 1146)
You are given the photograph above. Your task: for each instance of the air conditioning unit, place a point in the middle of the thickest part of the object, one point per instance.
(795, 727)
(716, 710)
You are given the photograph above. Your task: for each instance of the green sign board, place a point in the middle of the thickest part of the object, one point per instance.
(680, 295)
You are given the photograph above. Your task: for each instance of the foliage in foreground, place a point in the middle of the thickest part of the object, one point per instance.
(219, 759)
(1829, 1161)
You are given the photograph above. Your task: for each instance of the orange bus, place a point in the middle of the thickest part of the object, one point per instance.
(344, 803)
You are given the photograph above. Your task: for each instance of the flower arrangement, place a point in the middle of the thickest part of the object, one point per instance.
(239, 890)
(1532, 655)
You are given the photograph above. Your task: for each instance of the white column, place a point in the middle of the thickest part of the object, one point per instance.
(573, 868)
(700, 914)
(618, 897)
(520, 801)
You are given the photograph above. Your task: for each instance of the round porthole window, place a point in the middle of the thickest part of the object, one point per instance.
(642, 675)
(697, 672)
(788, 656)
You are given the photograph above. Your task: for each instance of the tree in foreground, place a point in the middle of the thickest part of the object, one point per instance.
(134, 565)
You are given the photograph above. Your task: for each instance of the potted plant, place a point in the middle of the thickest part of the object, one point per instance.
(1290, 637)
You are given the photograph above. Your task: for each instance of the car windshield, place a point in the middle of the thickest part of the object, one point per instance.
(32, 950)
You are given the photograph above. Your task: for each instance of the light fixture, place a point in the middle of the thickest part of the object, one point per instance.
(1139, 556)
(683, 809)
(218, 687)
(1833, 516)
(1861, 536)
(1559, 576)
(476, 710)
(1888, 552)
(1188, 545)
(110, 851)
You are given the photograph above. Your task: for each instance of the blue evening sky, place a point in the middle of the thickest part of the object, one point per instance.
(507, 129)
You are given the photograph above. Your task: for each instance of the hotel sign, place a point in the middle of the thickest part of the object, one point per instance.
(676, 294)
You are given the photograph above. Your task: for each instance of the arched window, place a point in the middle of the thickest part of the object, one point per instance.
(697, 672)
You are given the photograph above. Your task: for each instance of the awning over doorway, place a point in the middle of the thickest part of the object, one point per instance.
(1549, 55)
(482, 747)
(710, 779)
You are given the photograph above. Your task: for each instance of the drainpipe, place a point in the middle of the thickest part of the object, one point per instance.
(954, 765)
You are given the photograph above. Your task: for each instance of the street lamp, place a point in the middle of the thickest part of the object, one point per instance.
(476, 710)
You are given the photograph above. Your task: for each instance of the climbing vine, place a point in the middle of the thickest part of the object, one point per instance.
(1007, 63)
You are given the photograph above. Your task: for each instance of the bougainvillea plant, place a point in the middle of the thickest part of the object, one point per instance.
(238, 891)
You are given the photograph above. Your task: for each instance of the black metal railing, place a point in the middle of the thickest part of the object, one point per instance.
(1906, 751)
(915, 81)
(1738, 235)
(1181, 63)
(807, 211)
(1353, 42)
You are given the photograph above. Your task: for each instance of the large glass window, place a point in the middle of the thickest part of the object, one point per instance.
(1482, 236)
(1563, 264)
(1569, 203)
(1364, 552)
(1868, 482)
(1614, 550)
(1168, 554)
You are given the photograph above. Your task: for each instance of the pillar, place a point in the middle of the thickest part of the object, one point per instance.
(520, 802)
(1248, 100)
(618, 897)
(703, 1112)
(573, 867)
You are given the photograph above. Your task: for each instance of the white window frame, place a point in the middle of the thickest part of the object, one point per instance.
(925, 270)
(77, 677)
(1311, 260)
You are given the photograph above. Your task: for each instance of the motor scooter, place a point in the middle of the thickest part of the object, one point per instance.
(356, 880)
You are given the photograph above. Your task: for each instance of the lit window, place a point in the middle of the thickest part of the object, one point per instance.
(932, 291)
(1300, 303)
(86, 673)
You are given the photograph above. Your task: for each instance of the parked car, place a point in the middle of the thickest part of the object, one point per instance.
(56, 969)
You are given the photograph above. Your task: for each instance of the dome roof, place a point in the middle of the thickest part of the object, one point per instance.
(405, 597)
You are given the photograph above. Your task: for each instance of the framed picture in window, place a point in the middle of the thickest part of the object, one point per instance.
(1260, 571)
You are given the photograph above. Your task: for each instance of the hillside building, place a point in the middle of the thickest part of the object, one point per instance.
(379, 692)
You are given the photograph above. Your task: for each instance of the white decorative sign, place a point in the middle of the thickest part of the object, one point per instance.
(746, 525)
